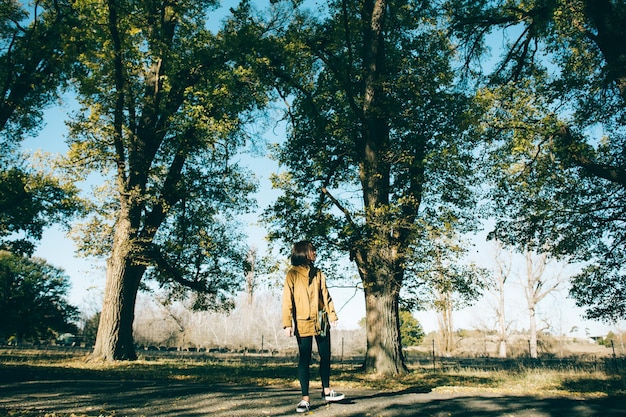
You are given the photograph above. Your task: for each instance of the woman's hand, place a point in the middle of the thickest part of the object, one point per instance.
(334, 323)
(289, 331)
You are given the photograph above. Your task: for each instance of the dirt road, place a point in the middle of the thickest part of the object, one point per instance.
(164, 399)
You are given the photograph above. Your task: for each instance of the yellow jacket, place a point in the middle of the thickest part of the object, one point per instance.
(302, 301)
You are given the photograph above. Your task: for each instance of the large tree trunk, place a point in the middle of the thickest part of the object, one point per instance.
(115, 331)
(378, 257)
(384, 350)
(382, 280)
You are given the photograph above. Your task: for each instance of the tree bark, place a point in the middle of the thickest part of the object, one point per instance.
(382, 279)
(609, 19)
(115, 337)
(384, 350)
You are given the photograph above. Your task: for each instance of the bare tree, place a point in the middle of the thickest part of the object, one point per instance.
(443, 307)
(245, 328)
(451, 284)
(502, 273)
(537, 284)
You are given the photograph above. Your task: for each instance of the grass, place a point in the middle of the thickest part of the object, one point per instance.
(24, 365)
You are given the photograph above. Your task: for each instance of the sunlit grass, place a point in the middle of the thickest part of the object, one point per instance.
(534, 382)
(20, 365)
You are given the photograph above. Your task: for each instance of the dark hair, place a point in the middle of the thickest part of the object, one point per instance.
(300, 253)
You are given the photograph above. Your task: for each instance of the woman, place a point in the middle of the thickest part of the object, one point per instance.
(307, 308)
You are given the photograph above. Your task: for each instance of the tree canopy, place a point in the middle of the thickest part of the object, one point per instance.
(32, 70)
(378, 156)
(557, 116)
(32, 63)
(30, 201)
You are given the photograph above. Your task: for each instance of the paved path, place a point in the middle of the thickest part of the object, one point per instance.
(164, 399)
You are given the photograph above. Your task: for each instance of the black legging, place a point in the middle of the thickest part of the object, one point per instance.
(305, 346)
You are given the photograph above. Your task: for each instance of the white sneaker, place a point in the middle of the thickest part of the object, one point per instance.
(333, 396)
(302, 407)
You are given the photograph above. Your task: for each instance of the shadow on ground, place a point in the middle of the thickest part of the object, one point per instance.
(181, 399)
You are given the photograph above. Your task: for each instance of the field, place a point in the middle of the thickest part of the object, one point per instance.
(571, 378)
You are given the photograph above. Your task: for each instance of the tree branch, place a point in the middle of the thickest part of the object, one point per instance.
(577, 153)
(340, 206)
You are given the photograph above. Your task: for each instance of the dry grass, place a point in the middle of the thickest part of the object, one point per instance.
(267, 371)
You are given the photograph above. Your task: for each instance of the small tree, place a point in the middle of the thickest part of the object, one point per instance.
(251, 274)
(443, 281)
(410, 329)
(90, 329)
(33, 303)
